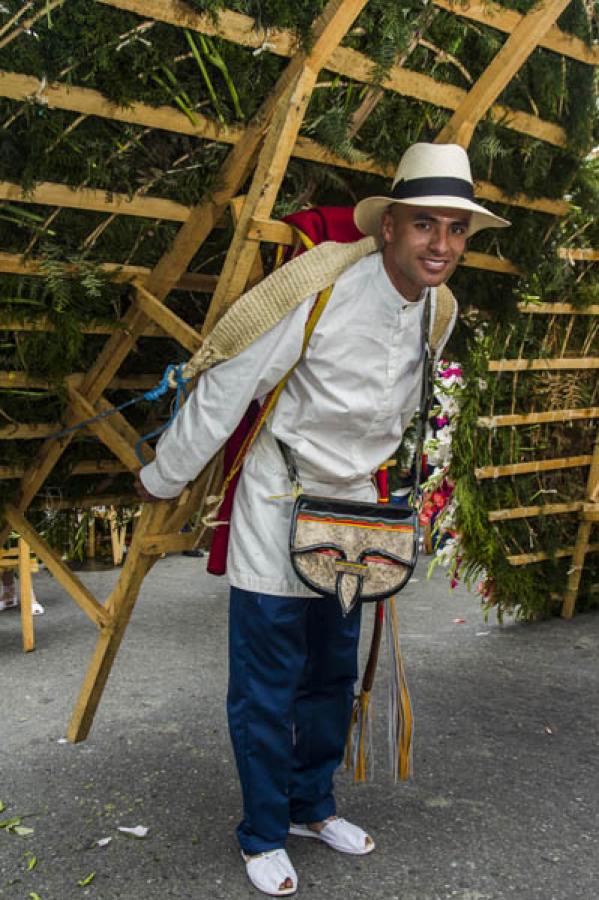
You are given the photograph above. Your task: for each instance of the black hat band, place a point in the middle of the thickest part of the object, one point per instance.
(430, 187)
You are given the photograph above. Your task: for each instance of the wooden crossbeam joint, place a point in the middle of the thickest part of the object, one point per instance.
(104, 429)
(170, 323)
(516, 50)
(80, 594)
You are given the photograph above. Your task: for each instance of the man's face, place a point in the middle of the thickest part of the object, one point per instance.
(422, 246)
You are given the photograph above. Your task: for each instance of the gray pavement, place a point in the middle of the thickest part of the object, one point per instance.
(504, 801)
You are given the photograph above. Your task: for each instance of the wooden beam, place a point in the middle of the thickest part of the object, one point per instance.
(125, 429)
(167, 273)
(559, 309)
(528, 512)
(543, 365)
(80, 594)
(85, 467)
(532, 468)
(557, 415)
(503, 19)
(474, 260)
(42, 323)
(16, 264)
(578, 254)
(121, 604)
(91, 501)
(264, 229)
(590, 512)
(105, 430)
(16, 380)
(155, 544)
(328, 31)
(29, 432)
(47, 193)
(171, 324)
(582, 546)
(88, 199)
(241, 29)
(512, 56)
(525, 559)
(25, 589)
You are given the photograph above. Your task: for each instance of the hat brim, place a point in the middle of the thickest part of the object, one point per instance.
(368, 212)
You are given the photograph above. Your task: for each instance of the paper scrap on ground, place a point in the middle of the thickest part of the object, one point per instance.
(139, 831)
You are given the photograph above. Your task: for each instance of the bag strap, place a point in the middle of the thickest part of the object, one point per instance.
(426, 395)
(444, 311)
(426, 398)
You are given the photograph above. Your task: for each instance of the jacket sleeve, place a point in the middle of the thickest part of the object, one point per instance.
(219, 401)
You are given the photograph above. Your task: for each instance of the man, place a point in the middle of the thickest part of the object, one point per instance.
(293, 656)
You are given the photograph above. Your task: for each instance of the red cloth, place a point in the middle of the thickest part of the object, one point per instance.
(322, 223)
(326, 223)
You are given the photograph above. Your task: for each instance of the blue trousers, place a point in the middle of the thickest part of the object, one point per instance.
(292, 669)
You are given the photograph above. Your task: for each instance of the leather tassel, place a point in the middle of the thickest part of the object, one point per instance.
(358, 746)
(401, 722)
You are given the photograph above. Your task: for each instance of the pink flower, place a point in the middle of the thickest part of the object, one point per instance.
(453, 370)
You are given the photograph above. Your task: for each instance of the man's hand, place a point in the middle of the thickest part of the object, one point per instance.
(141, 491)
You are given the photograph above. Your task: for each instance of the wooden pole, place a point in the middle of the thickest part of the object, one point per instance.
(581, 546)
(25, 589)
(120, 606)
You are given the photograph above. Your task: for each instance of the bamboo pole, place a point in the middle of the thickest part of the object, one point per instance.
(578, 254)
(541, 365)
(552, 309)
(525, 512)
(526, 559)
(533, 467)
(557, 415)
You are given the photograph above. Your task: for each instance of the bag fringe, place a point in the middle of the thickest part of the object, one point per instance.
(359, 755)
(401, 722)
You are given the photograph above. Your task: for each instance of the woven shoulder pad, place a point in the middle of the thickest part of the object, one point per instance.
(445, 309)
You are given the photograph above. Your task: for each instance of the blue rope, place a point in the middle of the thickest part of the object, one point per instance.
(152, 395)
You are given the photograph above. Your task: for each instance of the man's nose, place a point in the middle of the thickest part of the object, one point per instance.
(439, 240)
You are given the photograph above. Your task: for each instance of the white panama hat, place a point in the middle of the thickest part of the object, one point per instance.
(432, 175)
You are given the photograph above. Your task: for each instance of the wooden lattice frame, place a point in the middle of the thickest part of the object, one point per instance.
(280, 118)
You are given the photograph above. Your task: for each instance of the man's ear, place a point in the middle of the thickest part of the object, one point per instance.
(387, 226)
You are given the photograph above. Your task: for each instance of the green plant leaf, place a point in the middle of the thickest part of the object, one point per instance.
(87, 880)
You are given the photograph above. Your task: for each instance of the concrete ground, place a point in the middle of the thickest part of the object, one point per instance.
(504, 802)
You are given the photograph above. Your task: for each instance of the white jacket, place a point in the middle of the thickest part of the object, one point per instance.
(343, 412)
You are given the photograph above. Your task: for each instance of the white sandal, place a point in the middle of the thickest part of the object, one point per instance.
(339, 834)
(268, 871)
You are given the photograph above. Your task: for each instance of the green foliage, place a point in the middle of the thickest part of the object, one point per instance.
(130, 60)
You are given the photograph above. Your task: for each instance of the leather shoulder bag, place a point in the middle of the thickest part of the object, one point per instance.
(356, 550)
